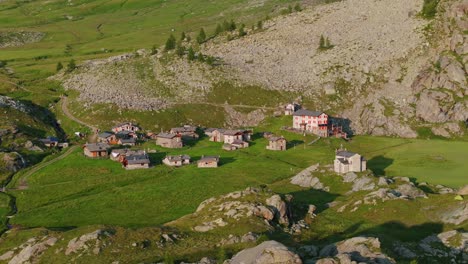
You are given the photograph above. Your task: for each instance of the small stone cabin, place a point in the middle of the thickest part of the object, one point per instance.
(187, 132)
(107, 137)
(216, 135)
(136, 161)
(96, 150)
(120, 154)
(127, 142)
(177, 160)
(347, 161)
(289, 109)
(169, 140)
(127, 126)
(276, 143)
(208, 162)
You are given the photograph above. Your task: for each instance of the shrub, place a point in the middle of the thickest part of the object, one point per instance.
(180, 50)
(259, 24)
(324, 43)
(201, 36)
(182, 36)
(242, 31)
(429, 8)
(191, 54)
(154, 50)
(221, 256)
(2, 63)
(210, 60)
(59, 66)
(170, 43)
(201, 57)
(71, 66)
(298, 7)
(219, 29)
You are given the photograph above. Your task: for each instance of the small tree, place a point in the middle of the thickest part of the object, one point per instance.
(68, 49)
(59, 66)
(191, 54)
(170, 43)
(180, 50)
(219, 29)
(242, 31)
(260, 24)
(71, 65)
(322, 42)
(226, 26)
(298, 7)
(2, 63)
(232, 25)
(201, 36)
(182, 36)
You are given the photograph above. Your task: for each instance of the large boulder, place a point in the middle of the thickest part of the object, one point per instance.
(268, 252)
(359, 249)
(463, 191)
(279, 207)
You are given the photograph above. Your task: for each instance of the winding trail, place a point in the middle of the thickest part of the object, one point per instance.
(233, 105)
(66, 112)
(23, 180)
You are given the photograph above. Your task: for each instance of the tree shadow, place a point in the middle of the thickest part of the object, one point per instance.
(156, 158)
(345, 123)
(293, 143)
(378, 164)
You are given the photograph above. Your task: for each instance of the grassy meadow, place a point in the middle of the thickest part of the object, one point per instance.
(78, 191)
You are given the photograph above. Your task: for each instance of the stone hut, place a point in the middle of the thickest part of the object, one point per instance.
(346, 161)
(96, 150)
(208, 162)
(136, 161)
(276, 143)
(177, 160)
(187, 132)
(169, 140)
(127, 126)
(107, 137)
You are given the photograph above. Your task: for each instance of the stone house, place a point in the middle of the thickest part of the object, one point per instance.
(126, 134)
(277, 143)
(107, 137)
(216, 135)
(177, 160)
(96, 150)
(127, 126)
(346, 161)
(229, 147)
(169, 140)
(315, 122)
(136, 161)
(187, 132)
(120, 154)
(208, 162)
(127, 141)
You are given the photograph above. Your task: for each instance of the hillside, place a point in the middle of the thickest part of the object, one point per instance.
(369, 75)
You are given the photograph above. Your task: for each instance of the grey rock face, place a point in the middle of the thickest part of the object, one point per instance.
(269, 252)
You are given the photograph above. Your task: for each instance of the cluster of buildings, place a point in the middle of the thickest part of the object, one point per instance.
(124, 134)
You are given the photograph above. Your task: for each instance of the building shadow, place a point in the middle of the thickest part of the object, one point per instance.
(378, 164)
(293, 143)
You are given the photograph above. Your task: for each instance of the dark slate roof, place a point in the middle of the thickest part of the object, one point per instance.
(232, 132)
(166, 135)
(105, 134)
(184, 129)
(178, 157)
(345, 153)
(93, 147)
(209, 159)
(211, 129)
(303, 112)
(137, 159)
(127, 140)
(276, 138)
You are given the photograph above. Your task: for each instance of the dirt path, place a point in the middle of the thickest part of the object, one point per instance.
(93, 137)
(236, 105)
(23, 180)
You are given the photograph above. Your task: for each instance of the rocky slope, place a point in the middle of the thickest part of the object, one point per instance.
(389, 71)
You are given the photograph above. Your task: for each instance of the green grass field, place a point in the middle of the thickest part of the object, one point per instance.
(78, 191)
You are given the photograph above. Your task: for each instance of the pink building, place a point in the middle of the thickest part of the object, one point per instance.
(311, 121)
